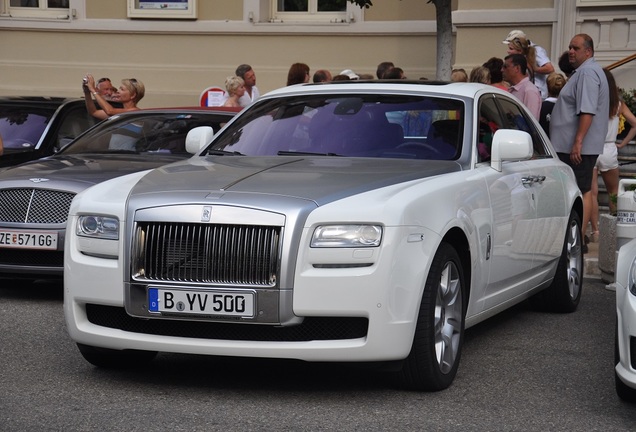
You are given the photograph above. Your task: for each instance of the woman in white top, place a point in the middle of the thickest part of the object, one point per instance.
(607, 163)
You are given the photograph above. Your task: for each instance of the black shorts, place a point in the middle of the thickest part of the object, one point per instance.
(583, 171)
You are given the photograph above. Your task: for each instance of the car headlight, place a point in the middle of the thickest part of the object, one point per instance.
(101, 227)
(631, 277)
(360, 235)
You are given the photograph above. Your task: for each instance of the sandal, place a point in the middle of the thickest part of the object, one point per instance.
(594, 236)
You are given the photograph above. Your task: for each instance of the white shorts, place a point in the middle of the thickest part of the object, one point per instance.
(609, 159)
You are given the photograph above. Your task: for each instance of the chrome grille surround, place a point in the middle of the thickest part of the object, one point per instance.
(34, 206)
(223, 254)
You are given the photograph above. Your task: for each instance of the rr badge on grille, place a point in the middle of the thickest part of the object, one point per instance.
(39, 180)
(206, 214)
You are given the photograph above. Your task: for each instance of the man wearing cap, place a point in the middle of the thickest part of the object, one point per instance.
(351, 74)
(543, 67)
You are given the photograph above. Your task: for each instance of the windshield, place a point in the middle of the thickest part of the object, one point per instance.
(388, 126)
(22, 127)
(163, 133)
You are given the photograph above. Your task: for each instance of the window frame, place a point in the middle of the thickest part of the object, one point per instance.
(135, 11)
(41, 12)
(312, 15)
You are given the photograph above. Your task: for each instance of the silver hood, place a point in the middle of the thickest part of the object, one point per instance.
(317, 179)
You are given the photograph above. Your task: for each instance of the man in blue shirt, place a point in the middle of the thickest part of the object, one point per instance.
(580, 117)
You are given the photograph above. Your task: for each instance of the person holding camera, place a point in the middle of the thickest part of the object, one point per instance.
(130, 92)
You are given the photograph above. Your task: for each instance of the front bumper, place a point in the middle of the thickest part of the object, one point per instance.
(626, 335)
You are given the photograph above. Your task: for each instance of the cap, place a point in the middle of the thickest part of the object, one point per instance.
(351, 74)
(514, 34)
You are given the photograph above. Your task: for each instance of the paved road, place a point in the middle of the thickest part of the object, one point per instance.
(521, 371)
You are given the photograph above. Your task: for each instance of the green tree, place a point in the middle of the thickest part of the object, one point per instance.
(444, 21)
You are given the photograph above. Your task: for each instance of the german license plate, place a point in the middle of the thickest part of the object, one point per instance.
(626, 217)
(197, 302)
(28, 239)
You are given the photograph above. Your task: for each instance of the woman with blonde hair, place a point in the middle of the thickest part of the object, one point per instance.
(555, 82)
(235, 87)
(521, 45)
(480, 74)
(459, 75)
(130, 92)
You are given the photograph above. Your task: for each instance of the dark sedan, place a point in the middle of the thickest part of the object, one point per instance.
(35, 127)
(35, 196)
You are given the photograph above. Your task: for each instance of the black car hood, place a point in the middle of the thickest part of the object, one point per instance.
(83, 170)
(319, 179)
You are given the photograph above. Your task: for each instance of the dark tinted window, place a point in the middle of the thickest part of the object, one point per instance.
(515, 118)
(384, 126)
(144, 132)
(22, 127)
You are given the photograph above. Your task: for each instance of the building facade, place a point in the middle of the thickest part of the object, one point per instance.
(47, 46)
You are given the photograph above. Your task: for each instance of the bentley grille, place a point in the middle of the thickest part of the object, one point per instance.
(206, 253)
(34, 206)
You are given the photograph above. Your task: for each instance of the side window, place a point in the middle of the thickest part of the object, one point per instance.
(489, 122)
(51, 9)
(76, 120)
(515, 118)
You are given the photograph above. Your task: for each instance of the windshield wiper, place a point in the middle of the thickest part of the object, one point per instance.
(303, 153)
(214, 152)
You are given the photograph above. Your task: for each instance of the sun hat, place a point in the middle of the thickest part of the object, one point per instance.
(514, 34)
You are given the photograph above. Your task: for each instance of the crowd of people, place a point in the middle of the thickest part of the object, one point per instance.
(578, 108)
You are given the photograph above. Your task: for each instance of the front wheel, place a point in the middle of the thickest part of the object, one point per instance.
(434, 358)
(564, 294)
(115, 359)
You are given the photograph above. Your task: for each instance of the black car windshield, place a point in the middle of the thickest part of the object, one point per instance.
(382, 126)
(22, 127)
(161, 133)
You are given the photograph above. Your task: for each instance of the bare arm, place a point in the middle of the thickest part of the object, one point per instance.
(631, 119)
(90, 106)
(107, 109)
(545, 69)
(1, 147)
(585, 121)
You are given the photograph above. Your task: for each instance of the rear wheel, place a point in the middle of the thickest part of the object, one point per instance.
(564, 294)
(439, 333)
(115, 359)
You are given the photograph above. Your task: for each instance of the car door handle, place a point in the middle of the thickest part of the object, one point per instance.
(530, 180)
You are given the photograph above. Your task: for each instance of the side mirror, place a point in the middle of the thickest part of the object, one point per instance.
(198, 138)
(510, 144)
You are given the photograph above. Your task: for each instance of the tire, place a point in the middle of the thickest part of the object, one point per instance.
(564, 294)
(623, 391)
(115, 359)
(439, 334)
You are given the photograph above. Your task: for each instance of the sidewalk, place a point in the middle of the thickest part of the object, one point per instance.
(591, 261)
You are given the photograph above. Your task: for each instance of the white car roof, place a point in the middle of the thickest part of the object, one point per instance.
(462, 89)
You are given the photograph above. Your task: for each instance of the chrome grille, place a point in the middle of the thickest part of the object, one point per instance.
(37, 206)
(223, 254)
